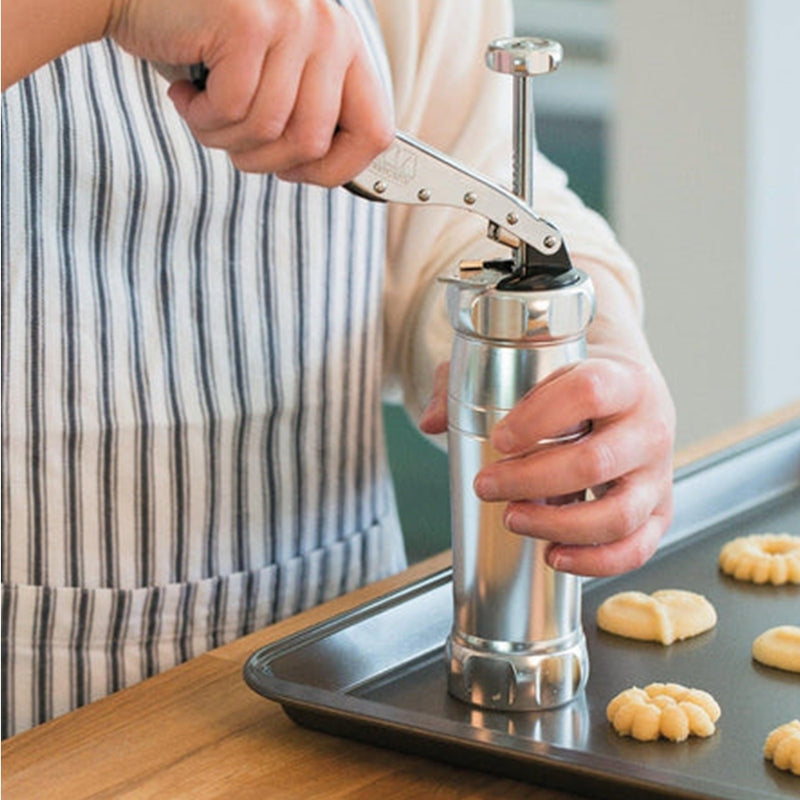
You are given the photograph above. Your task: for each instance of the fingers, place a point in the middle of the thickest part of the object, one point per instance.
(434, 417)
(620, 556)
(624, 508)
(297, 97)
(265, 115)
(615, 532)
(307, 134)
(592, 389)
(628, 453)
(609, 451)
(364, 129)
(232, 84)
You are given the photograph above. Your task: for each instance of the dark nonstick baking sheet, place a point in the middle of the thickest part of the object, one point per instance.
(377, 673)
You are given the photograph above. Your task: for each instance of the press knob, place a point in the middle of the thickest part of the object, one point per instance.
(524, 56)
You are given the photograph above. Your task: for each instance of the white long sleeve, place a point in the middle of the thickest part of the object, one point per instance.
(448, 98)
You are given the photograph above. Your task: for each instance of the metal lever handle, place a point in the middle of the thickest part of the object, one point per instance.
(411, 172)
(414, 173)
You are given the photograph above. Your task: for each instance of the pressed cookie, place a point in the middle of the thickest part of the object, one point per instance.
(782, 747)
(666, 710)
(762, 558)
(666, 616)
(779, 647)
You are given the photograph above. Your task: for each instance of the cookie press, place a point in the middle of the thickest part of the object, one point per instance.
(517, 642)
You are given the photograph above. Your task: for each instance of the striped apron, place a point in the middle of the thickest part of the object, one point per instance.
(192, 442)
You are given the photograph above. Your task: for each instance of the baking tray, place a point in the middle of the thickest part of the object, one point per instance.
(377, 673)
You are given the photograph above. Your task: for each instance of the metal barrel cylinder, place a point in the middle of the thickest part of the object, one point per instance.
(517, 642)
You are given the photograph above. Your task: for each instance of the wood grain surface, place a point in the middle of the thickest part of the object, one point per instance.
(197, 731)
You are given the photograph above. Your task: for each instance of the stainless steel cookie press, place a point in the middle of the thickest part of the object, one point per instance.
(517, 642)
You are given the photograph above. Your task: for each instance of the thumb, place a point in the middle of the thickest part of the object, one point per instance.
(434, 417)
(182, 93)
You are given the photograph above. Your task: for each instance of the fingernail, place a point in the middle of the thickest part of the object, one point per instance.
(556, 558)
(485, 487)
(561, 561)
(510, 520)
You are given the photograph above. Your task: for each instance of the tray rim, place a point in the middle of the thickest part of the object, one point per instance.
(559, 767)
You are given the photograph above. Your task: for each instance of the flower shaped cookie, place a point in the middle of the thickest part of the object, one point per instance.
(666, 710)
(783, 747)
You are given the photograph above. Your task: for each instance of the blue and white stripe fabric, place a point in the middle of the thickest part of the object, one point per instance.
(192, 439)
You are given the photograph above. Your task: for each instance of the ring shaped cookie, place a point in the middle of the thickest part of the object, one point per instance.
(763, 558)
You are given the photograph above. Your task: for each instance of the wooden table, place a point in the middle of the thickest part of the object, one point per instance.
(197, 731)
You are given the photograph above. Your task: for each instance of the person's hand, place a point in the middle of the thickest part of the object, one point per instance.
(626, 459)
(290, 89)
